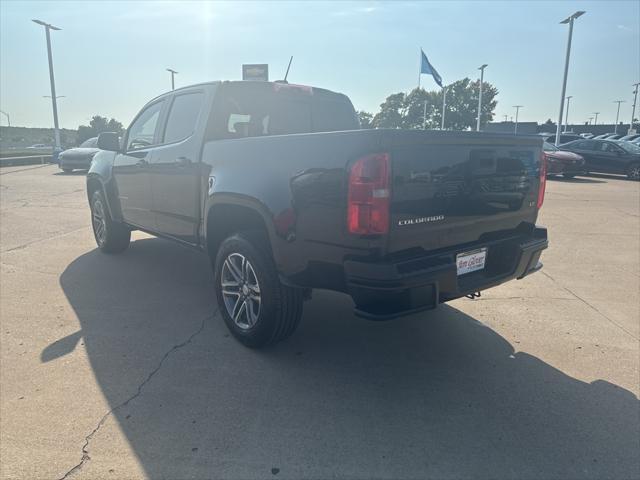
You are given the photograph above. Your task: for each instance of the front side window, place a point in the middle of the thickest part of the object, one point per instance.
(143, 129)
(183, 116)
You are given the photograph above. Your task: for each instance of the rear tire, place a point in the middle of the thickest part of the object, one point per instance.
(633, 172)
(256, 307)
(111, 236)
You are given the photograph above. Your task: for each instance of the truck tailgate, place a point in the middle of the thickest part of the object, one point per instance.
(452, 188)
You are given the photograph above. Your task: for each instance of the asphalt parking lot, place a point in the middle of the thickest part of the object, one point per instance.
(119, 367)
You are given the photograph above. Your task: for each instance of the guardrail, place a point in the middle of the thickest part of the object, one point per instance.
(25, 160)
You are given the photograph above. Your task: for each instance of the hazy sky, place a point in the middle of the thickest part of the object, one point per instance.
(110, 57)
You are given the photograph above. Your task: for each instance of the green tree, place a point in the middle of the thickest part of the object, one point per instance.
(391, 112)
(365, 119)
(407, 111)
(97, 125)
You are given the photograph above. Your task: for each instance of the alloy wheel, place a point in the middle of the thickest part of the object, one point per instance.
(634, 172)
(99, 221)
(240, 290)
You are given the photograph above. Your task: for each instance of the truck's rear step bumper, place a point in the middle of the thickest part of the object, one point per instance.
(386, 290)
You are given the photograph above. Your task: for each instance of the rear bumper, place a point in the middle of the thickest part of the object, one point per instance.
(383, 290)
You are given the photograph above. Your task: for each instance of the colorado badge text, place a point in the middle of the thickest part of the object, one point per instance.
(415, 221)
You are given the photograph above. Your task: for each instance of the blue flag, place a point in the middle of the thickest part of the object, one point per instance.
(426, 67)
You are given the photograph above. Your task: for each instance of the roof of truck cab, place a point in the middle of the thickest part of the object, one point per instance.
(322, 91)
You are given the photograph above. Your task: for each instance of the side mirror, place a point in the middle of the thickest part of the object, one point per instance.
(109, 141)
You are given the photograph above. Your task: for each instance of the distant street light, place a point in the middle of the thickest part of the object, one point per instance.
(633, 109)
(566, 117)
(590, 119)
(515, 128)
(568, 20)
(7, 115)
(56, 127)
(173, 72)
(596, 114)
(615, 127)
(505, 117)
(481, 68)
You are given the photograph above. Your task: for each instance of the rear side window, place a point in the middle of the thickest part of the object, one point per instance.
(143, 129)
(332, 115)
(583, 145)
(183, 116)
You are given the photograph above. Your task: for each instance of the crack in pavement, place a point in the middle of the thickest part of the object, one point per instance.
(85, 448)
(589, 305)
(25, 245)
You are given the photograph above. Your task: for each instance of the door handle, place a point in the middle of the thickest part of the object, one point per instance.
(142, 163)
(183, 161)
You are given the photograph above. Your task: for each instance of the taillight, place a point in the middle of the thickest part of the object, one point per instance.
(543, 179)
(368, 207)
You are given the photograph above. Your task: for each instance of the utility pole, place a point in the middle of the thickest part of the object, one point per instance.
(615, 127)
(7, 115)
(568, 20)
(481, 68)
(596, 120)
(515, 128)
(633, 109)
(56, 126)
(173, 72)
(566, 118)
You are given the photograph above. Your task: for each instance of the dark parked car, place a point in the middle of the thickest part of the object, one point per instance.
(79, 157)
(284, 192)
(564, 138)
(560, 162)
(630, 138)
(608, 156)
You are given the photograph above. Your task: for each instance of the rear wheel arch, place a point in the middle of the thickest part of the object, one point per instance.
(225, 219)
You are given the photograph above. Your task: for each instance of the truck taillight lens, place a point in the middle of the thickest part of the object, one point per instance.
(543, 179)
(368, 207)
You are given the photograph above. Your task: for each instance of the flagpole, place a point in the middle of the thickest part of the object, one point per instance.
(444, 103)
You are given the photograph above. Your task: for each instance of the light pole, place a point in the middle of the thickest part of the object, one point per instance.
(173, 72)
(481, 68)
(615, 127)
(515, 128)
(566, 117)
(6, 115)
(633, 109)
(56, 128)
(568, 20)
(596, 120)
(505, 118)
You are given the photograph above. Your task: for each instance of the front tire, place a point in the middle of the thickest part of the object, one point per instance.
(111, 236)
(256, 307)
(633, 172)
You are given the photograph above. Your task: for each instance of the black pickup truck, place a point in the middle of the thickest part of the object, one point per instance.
(284, 192)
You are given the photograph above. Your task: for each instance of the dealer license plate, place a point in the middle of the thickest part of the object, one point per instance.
(468, 262)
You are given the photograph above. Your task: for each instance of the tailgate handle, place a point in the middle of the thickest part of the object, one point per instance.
(183, 161)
